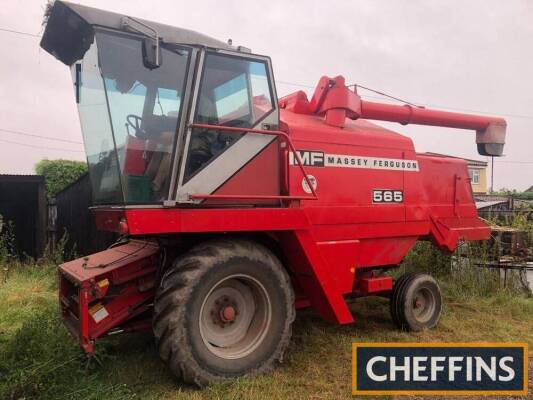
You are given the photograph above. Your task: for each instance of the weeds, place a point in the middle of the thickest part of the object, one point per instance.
(522, 222)
(7, 241)
(34, 354)
(424, 257)
(56, 253)
(461, 273)
(40, 361)
(455, 272)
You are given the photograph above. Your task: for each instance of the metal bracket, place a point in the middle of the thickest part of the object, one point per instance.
(126, 24)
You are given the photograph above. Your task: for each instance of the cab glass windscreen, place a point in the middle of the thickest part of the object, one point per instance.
(129, 117)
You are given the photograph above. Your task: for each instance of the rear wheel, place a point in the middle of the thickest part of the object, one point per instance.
(223, 310)
(416, 302)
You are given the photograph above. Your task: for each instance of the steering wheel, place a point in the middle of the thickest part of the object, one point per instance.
(136, 122)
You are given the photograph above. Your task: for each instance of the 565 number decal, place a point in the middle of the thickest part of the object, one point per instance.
(387, 196)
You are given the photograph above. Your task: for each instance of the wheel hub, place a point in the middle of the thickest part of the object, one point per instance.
(227, 314)
(424, 304)
(235, 316)
(419, 303)
(224, 311)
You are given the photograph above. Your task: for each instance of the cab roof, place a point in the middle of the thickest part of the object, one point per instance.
(69, 30)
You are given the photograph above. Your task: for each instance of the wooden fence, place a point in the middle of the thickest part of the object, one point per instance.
(72, 215)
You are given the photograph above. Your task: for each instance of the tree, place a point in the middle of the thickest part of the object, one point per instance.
(58, 174)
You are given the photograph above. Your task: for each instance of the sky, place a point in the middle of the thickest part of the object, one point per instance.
(470, 56)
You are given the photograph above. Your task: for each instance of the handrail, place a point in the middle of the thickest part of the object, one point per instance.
(234, 129)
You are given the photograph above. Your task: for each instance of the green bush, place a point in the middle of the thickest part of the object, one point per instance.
(425, 257)
(521, 221)
(58, 174)
(525, 196)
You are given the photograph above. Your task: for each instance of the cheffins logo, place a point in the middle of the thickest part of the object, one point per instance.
(440, 368)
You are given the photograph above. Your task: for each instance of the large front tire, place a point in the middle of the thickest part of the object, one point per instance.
(223, 310)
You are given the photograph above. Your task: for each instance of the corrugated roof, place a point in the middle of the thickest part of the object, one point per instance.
(484, 204)
(468, 160)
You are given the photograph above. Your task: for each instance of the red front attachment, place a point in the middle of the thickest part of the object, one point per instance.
(108, 290)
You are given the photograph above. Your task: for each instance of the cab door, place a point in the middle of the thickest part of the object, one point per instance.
(237, 90)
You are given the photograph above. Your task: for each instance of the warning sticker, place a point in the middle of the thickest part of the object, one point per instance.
(313, 182)
(103, 283)
(98, 312)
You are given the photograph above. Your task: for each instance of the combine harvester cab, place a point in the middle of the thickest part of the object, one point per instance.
(236, 208)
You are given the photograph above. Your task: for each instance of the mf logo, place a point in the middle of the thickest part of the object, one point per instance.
(308, 158)
(440, 368)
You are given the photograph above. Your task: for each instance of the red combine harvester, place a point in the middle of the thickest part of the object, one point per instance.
(237, 208)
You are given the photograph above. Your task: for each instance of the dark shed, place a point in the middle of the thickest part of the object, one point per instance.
(23, 201)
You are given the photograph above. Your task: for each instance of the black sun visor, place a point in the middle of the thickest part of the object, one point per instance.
(67, 36)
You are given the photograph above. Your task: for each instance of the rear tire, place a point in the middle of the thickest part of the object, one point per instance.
(223, 310)
(416, 302)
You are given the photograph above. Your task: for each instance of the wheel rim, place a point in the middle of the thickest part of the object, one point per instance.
(424, 304)
(235, 316)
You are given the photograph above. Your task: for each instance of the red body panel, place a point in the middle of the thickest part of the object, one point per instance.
(261, 176)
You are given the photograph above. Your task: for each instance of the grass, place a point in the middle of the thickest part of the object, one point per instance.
(38, 359)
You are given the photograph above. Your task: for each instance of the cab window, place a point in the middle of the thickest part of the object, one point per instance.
(234, 91)
(144, 109)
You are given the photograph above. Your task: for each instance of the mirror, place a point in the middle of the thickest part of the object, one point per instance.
(151, 52)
